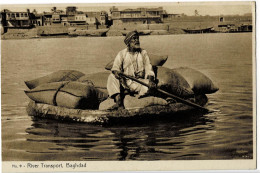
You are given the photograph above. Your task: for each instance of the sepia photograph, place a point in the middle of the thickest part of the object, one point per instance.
(142, 86)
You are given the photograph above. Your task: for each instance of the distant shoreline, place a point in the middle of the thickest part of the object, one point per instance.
(169, 28)
(66, 36)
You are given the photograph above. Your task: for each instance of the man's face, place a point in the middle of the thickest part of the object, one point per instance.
(134, 42)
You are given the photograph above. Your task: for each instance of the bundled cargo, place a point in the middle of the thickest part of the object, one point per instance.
(172, 82)
(155, 60)
(73, 95)
(168, 80)
(88, 91)
(198, 81)
(134, 102)
(99, 79)
(61, 75)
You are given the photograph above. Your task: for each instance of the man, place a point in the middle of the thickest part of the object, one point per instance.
(132, 61)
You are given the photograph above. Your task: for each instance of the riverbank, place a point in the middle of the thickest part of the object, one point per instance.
(167, 28)
(66, 31)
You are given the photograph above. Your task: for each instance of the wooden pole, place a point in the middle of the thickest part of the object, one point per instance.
(166, 93)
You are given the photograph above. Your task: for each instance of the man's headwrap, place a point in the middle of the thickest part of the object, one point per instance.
(129, 36)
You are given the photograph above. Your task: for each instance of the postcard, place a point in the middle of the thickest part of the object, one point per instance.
(143, 86)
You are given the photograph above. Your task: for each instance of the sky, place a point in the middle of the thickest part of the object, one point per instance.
(188, 8)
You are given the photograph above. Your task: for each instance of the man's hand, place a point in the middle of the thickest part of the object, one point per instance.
(152, 84)
(116, 73)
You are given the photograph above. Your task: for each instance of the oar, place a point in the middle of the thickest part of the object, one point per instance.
(166, 93)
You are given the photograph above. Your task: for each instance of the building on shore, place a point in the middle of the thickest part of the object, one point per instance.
(120, 21)
(167, 16)
(226, 27)
(103, 18)
(12, 19)
(72, 17)
(245, 28)
(79, 18)
(100, 17)
(37, 20)
(97, 18)
(47, 18)
(137, 16)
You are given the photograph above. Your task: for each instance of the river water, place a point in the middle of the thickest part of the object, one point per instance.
(225, 134)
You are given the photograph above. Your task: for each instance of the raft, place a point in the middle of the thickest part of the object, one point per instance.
(74, 97)
(46, 111)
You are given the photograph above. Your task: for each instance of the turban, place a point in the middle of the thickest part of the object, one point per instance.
(129, 36)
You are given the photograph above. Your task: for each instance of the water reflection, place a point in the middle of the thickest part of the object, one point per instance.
(161, 139)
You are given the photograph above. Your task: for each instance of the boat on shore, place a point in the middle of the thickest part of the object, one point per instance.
(52, 32)
(199, 31)
(87, 32)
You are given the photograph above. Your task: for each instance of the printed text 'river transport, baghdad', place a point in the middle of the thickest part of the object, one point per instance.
(48, 166)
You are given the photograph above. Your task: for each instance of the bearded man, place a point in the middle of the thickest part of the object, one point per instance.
(133, 61)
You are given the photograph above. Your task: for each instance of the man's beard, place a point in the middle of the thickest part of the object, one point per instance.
(135, 48)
